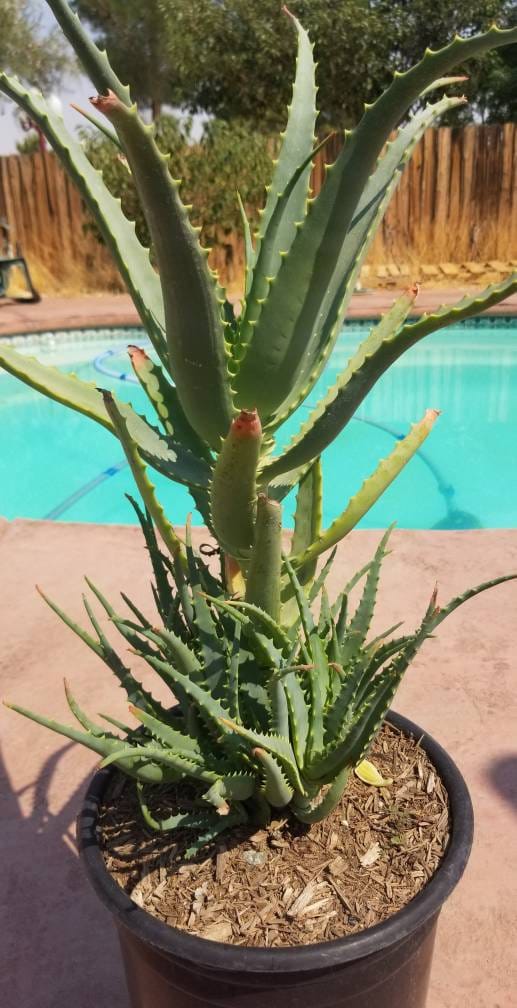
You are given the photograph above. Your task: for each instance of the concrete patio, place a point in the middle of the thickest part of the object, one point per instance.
(118, 309)
(60, 949)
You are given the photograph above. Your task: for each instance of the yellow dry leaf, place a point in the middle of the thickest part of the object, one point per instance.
(369, 774)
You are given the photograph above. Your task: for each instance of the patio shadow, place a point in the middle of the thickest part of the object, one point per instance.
(58, 945)
(502, 774)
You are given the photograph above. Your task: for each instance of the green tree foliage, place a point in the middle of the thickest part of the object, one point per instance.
(492, 80)
(226, 159)
(30, 143)
(202, 55)
(497, 87)
(215, 49)
(135, 35)
(39, 57)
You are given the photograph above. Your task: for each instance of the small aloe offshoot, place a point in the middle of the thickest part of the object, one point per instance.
(276, 706)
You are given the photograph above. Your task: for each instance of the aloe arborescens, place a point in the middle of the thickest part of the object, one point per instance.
(275, 706)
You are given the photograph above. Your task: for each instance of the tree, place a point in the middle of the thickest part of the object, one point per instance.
(27, 50)
(492, 79)
(134, 35)
(231, 57)
(234, 58)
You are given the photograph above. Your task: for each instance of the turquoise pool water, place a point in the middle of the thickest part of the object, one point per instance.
(55, 463)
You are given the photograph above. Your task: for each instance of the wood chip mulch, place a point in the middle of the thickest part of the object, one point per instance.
(289, 884)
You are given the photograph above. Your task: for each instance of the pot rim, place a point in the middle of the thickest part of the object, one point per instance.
(208, 954)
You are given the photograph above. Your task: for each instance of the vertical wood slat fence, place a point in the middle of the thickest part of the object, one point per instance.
(457, 201)
(47, 218)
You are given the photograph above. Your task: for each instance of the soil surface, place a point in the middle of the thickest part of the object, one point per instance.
(288, 884)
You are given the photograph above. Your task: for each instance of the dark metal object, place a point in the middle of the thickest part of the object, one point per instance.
(10, 258)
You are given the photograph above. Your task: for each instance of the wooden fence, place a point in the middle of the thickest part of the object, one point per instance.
(47, 218)
(457, 201)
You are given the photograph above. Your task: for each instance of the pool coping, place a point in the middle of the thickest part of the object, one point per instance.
(91, 311)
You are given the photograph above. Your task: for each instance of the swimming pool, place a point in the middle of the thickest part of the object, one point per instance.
(57, 464)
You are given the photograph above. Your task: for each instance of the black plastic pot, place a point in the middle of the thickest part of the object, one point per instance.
(386, 966)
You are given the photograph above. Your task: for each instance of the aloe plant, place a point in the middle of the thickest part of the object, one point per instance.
(268, 716)
(274, 704)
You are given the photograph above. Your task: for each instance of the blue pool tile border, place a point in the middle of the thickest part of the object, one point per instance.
(93, 333)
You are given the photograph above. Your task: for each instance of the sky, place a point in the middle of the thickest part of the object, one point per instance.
(76, 90)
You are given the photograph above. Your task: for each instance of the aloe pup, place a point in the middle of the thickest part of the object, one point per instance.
(276, 706)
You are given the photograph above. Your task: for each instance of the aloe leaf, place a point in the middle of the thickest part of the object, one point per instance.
(94, 61)
(212, 647)
(298, 715)
(180, 675)
(353, 746)
(263, 576)
(297, 143)
(138, 469)
(134, 690)
(377, 694)
(307, 517)
(131, 257)
(143, 621)
(340, 607)
(277, 745)
(443, 82)
(270, 252)
(99, 125)
(277, 790)
(234, 818)
(102, 746)
(302, 600)
(87, 639)
(262, 641)
(320, 580)
(262, 620)
(371, 361)
(441, 613)
(164, 591)
(192, 300)
(340, 714)
(183, 820)
(315, 813)
(230, 788)
(232, 693)
(181, 743)
(281, 485)
(164, 398)
(362, 618)
(375, 643)
(86, 399)
(83, 719)
(301, 320)
(124, 728)
(470, 305)
(279, 719)
(318, 681)
(181, 765)
(248, 246)
(338, 405)
(325, 615)
(372, 488)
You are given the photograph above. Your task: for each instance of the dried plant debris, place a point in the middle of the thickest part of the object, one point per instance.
(289, 884)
